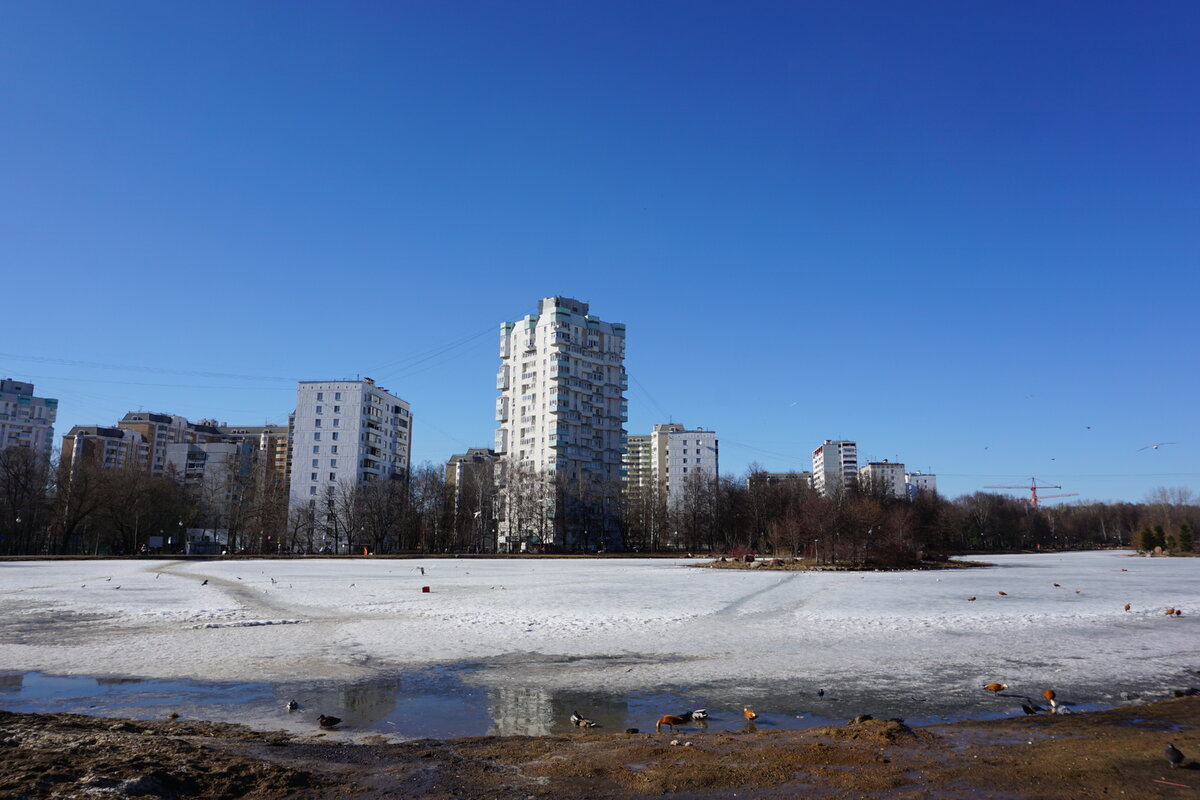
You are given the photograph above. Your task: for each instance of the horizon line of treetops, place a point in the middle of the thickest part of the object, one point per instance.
(104, 511)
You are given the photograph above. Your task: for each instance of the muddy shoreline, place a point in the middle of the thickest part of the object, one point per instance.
(1112, 753)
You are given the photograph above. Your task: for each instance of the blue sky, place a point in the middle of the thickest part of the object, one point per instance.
(957, 233)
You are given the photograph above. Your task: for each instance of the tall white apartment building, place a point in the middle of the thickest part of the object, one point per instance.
(25, 420)
(346, 433)
(917, 482)
(560, 439)
(835, 466)
(667, 458)
(689, 453)
(883, 477)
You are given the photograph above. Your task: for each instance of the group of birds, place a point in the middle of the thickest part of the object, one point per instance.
(325, 722)
(1172, 611)
(1029, 707)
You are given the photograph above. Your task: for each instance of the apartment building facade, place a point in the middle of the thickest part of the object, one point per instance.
(560, 438)
(834, 466)
(346, 434)
(161, 430)
(107, 447)
(690, 455)
(917, 482)
(25, 419)
(884, 478)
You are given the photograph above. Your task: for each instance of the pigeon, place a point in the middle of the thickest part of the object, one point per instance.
(328, 722)
(1174, 757)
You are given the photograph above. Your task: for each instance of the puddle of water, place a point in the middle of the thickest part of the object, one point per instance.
(438, 702)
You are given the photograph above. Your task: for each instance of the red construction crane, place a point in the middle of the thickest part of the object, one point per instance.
(1033, 491)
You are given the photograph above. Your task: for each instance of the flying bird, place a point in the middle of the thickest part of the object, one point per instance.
(1155, 446)
(1174, 757)
(995, 688)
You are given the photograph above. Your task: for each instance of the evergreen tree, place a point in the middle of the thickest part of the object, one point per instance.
(1185, 538)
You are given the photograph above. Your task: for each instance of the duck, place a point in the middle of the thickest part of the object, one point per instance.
(328, 722)
(581, 721)
(748, 713)
(670, 720)
(292, 705)
(1174, 756)
(698, 714)
(1050, 695)
(995, 688)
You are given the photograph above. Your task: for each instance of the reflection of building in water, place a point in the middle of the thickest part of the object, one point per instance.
(11, 681)
(363, 703)
(520, 711)
(530, 711)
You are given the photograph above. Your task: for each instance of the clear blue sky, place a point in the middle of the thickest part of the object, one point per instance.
(957, 233)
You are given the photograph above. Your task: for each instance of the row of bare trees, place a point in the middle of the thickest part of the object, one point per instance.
(94, 510)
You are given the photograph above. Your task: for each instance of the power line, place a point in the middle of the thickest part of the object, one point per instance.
(68, 362)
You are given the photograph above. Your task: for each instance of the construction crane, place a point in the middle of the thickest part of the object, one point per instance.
(1033, 491)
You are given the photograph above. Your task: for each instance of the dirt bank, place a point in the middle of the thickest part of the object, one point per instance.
(1115, 753)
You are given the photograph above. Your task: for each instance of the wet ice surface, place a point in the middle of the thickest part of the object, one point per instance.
(513, 646)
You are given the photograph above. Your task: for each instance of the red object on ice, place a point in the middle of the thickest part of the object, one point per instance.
(424, 588)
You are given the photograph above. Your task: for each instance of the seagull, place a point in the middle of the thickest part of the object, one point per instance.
(292, 705)
(1174, 757)
(328, 722)
(1155, 446)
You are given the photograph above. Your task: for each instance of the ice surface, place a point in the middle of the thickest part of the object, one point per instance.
(622, 627)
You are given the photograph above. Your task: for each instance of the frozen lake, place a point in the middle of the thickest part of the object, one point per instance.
(513, 646)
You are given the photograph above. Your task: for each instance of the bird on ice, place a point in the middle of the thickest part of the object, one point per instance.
(1003, 594)
(1127, 606)
(1155, 446)
(581, 721)
(995, 688)
(971, 599)
(1174, 757)
(204, 582)
(328, 722)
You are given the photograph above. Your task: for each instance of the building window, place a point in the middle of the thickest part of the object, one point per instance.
(333, 476)
(337, 409)
(320, 409)
(335, 436)
(337, 395)
(316, 462)
(316, 449)
(335, 422)
(320, 395)
(317, 436)
(333, 449)
(314, 476)
(333, 462)
(316, 423)
(312, 490)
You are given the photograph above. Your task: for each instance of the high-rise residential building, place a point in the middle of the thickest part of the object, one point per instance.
(25, 420)
(691, 455)
(346, 434)
(885, 478)
(917, 482)
(835, 466)
(470, 482)
(273, 443)
(800, 480)
(110, 448)
(160, 430)
(664, 460)
(561, 411)
(217, 473)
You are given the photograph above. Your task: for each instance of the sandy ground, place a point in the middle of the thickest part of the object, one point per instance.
(1114, 753)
